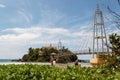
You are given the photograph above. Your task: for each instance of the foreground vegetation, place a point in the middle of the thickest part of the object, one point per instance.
(46, 72)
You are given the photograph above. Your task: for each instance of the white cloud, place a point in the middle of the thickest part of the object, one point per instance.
(40, 33)
(32, 35)
(19, 38)
(37, 30)
(2, 6)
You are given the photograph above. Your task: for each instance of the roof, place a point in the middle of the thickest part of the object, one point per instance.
(49, 47)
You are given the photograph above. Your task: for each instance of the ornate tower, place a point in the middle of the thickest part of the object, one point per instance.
(60, 47)
(99, 34)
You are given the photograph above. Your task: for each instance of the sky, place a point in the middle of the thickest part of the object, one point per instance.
(37, 23)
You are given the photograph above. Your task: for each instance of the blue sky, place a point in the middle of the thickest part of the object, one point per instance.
(37, 23)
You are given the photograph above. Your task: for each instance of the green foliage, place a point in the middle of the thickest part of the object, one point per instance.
(46, 72)
(31, 51)
(113, 60)
(25, 57)
(63, 59)
(67, 56)
(47, 52)
(73, 57)
(115, 42)
(33, 55)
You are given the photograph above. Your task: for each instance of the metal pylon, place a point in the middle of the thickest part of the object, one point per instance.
(99, 34)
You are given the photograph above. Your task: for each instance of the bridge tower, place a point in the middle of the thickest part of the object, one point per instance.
(99, 34)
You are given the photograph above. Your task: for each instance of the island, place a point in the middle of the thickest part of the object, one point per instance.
(43, 54)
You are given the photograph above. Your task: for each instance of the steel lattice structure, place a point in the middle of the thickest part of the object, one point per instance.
(99, 34)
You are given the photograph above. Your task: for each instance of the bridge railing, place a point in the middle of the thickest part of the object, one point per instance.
(88, 52)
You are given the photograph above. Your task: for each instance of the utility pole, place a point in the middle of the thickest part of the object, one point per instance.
(99, 34)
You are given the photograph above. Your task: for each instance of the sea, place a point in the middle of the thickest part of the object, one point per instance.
(80, 57)
(5, 60)
(9, 61)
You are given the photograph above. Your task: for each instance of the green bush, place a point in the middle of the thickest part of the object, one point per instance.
(46, 72)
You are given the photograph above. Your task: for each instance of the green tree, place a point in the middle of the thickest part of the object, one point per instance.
(33, 55)
(25, 57)
(67, 55)
(31, 51)
(46, 55)
(113, 60)
(36, 51)
(115, 43)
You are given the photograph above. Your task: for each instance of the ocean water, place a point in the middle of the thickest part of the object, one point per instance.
(5, 60)
(81, 57)
(9, 61)
(85, 57)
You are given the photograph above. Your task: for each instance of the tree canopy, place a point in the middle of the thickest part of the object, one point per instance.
(43, 55)
(113, 60)
(115, 43)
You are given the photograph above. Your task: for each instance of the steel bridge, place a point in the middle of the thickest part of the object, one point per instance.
(96, 41)
(86, 53)
(92, 43)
